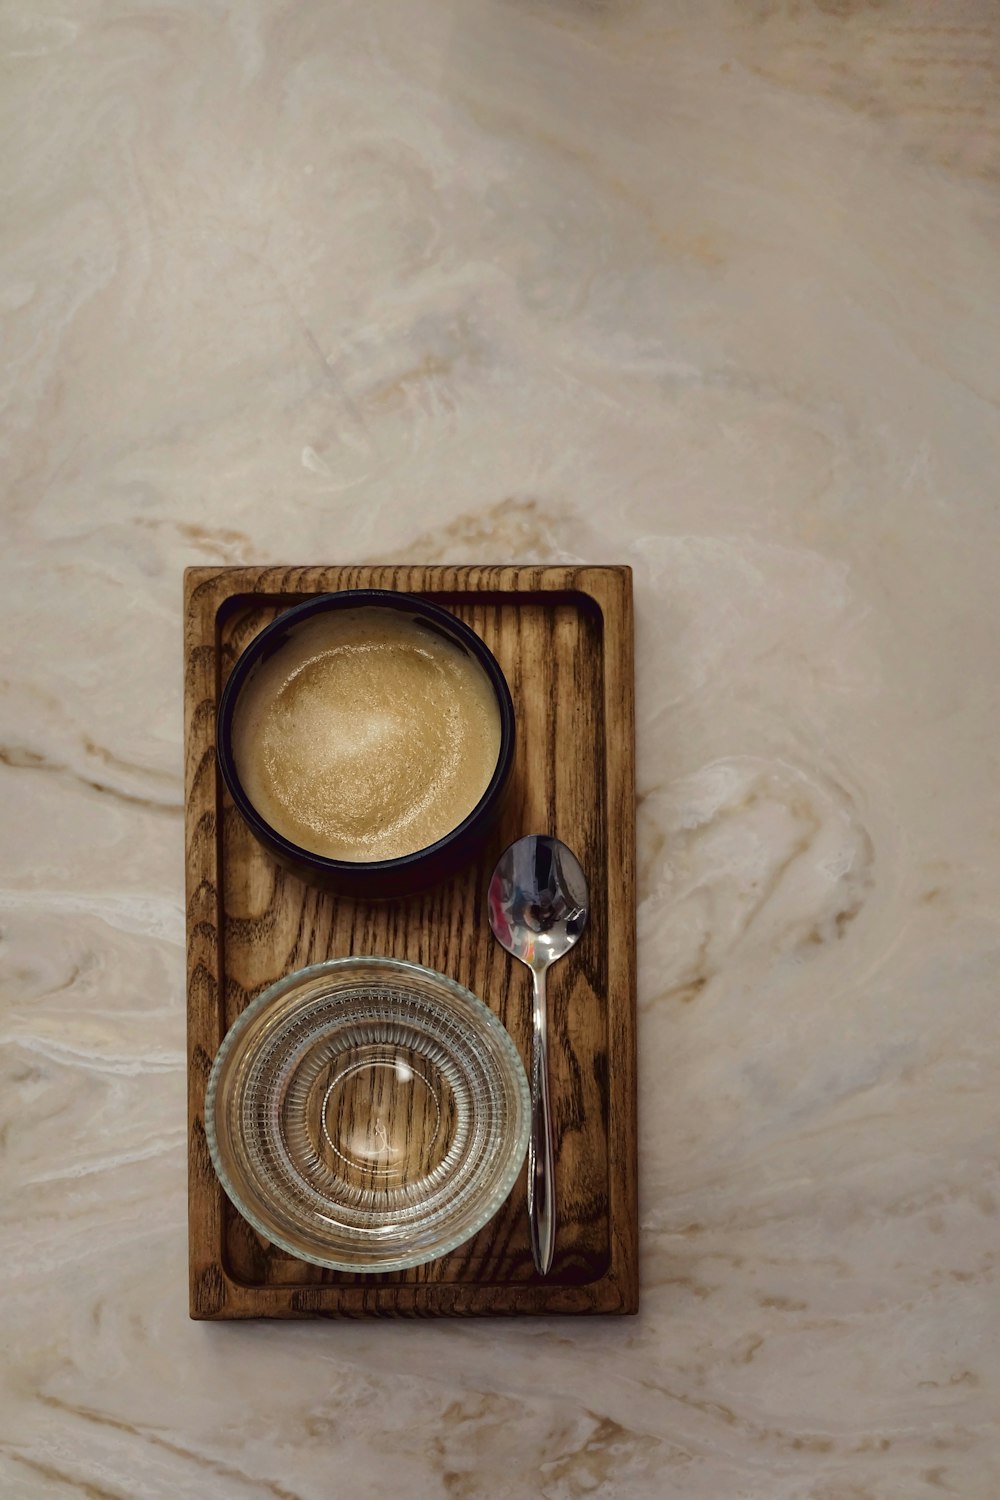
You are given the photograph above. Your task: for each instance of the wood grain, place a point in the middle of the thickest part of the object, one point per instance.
(563, 637)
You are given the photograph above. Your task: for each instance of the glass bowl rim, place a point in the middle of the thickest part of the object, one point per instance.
(482, 1015)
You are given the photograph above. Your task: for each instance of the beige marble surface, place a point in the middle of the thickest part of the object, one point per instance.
(708, 288)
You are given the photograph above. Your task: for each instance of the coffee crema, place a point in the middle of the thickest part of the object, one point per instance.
(366, 736)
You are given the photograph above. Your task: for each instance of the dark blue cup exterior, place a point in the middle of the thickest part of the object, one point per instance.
(375, 879)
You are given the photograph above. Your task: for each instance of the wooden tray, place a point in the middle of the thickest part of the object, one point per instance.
(563, 636)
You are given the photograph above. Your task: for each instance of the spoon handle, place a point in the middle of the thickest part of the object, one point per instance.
(541, 1169)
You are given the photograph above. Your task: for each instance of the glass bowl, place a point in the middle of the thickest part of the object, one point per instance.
(367, 1114)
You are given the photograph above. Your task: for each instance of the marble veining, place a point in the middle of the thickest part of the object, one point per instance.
(710, 289)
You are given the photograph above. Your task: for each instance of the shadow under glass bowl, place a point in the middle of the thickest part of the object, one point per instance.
(367, 1114)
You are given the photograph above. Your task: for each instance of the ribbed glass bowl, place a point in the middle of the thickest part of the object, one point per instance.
(367, 1114)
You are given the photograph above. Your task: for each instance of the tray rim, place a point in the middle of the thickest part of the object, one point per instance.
(214, 1292)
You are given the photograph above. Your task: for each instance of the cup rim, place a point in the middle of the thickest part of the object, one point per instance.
(266, 641)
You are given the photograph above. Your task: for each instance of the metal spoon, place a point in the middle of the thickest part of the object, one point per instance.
(538, 908)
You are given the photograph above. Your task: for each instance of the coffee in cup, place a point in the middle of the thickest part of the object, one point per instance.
(366, 735)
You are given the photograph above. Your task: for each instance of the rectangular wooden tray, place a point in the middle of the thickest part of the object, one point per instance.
(563, 637)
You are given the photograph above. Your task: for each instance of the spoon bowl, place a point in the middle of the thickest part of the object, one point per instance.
(538, 900)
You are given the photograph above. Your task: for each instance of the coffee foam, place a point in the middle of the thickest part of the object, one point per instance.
(366, 736)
